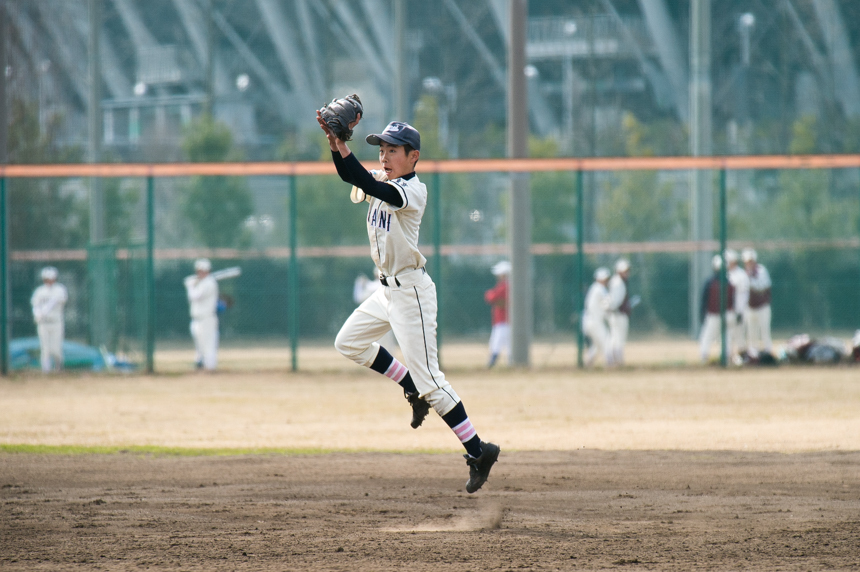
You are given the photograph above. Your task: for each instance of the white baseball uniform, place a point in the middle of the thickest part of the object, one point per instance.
(738, 278)
(619, 320)
(363, 289)
(407, 305)
(758, 314)
(203, 307)
(49, 301)
(594, 321)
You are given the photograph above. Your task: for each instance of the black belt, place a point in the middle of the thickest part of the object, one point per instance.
(383, 278)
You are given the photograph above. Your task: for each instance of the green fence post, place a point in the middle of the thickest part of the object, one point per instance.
(580, 267)
(150, 274)
(4, 280)
(293, 278)
(437, 255)
(723, 273)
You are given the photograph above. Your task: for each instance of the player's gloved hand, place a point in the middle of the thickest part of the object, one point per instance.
(341, 116)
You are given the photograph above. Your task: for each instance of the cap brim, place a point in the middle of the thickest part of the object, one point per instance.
(374, 139)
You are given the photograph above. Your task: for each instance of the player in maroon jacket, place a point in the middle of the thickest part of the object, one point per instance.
(710, 314)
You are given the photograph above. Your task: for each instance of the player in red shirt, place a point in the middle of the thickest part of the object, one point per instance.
(497, 298)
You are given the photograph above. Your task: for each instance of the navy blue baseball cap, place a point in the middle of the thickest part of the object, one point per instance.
(397, 133)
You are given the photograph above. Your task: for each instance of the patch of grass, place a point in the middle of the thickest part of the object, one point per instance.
(158, 451)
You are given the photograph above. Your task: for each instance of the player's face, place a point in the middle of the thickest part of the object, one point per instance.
(394, 160)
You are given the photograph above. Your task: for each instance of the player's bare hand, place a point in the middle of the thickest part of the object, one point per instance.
(332, 139)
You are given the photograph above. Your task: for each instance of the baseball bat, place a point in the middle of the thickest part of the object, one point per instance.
(222, 274)
(225, 273)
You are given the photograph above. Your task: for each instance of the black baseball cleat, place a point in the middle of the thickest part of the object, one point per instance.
(479, 469)
(420, 408)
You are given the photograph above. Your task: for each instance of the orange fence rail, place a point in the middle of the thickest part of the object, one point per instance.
(732, 162)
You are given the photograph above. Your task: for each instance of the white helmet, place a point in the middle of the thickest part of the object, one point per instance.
(202, 265)
(623, 265)
(717, 262)
(602, 274)
(501, 268)
(49, 273)
(731, 255)
(749, 255)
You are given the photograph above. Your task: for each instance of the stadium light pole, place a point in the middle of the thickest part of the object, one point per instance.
(701, 181)
(580, 267)
(4, 278)
(293, 276)
(436, 198)
(150, 274)
(724, 286)
(4, 219)
(519, 204)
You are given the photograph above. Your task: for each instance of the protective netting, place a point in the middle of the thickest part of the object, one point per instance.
(802, 223)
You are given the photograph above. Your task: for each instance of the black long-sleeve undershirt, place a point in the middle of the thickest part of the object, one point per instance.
(351, 171)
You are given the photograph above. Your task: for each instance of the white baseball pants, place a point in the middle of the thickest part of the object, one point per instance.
(500, 339)
(51, 345)
(204, 331)
(598, 332)
(619, 324)
(409, 310)
(758, 330)
(711, 332)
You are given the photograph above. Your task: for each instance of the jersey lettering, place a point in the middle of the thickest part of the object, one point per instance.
(380, 219)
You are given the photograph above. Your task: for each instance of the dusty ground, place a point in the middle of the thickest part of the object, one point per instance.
(650, 468)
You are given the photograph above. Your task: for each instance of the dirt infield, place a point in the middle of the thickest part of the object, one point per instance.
(648, 468)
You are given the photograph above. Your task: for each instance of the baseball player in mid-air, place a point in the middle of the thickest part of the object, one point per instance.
(202, 290)
(619, 312)
(49, 301)
(712, 325)
(594, 317)
(406, 303)
(757, 318)
(497, 298)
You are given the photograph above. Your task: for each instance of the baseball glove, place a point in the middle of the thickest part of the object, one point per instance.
(340, 113)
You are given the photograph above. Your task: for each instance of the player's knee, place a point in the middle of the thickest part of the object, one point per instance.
(346, 348)
(341, 346)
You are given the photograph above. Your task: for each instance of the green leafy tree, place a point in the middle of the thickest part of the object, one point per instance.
(808, 205)
(638, 206)
(43, 212)
(216, 207)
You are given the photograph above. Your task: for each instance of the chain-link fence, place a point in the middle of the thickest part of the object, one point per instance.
(803, 223)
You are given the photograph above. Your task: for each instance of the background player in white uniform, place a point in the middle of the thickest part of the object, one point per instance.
(202, 290)
(739, 280)
(712, 325)
(619, 312)
(758, 315)
(594, 316)
(49, 301)
(407, 302)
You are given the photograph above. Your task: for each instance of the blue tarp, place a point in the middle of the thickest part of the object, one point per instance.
(24, 353)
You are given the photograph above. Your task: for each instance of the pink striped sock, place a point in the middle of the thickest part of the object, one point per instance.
(465, 431)
(396, 371)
